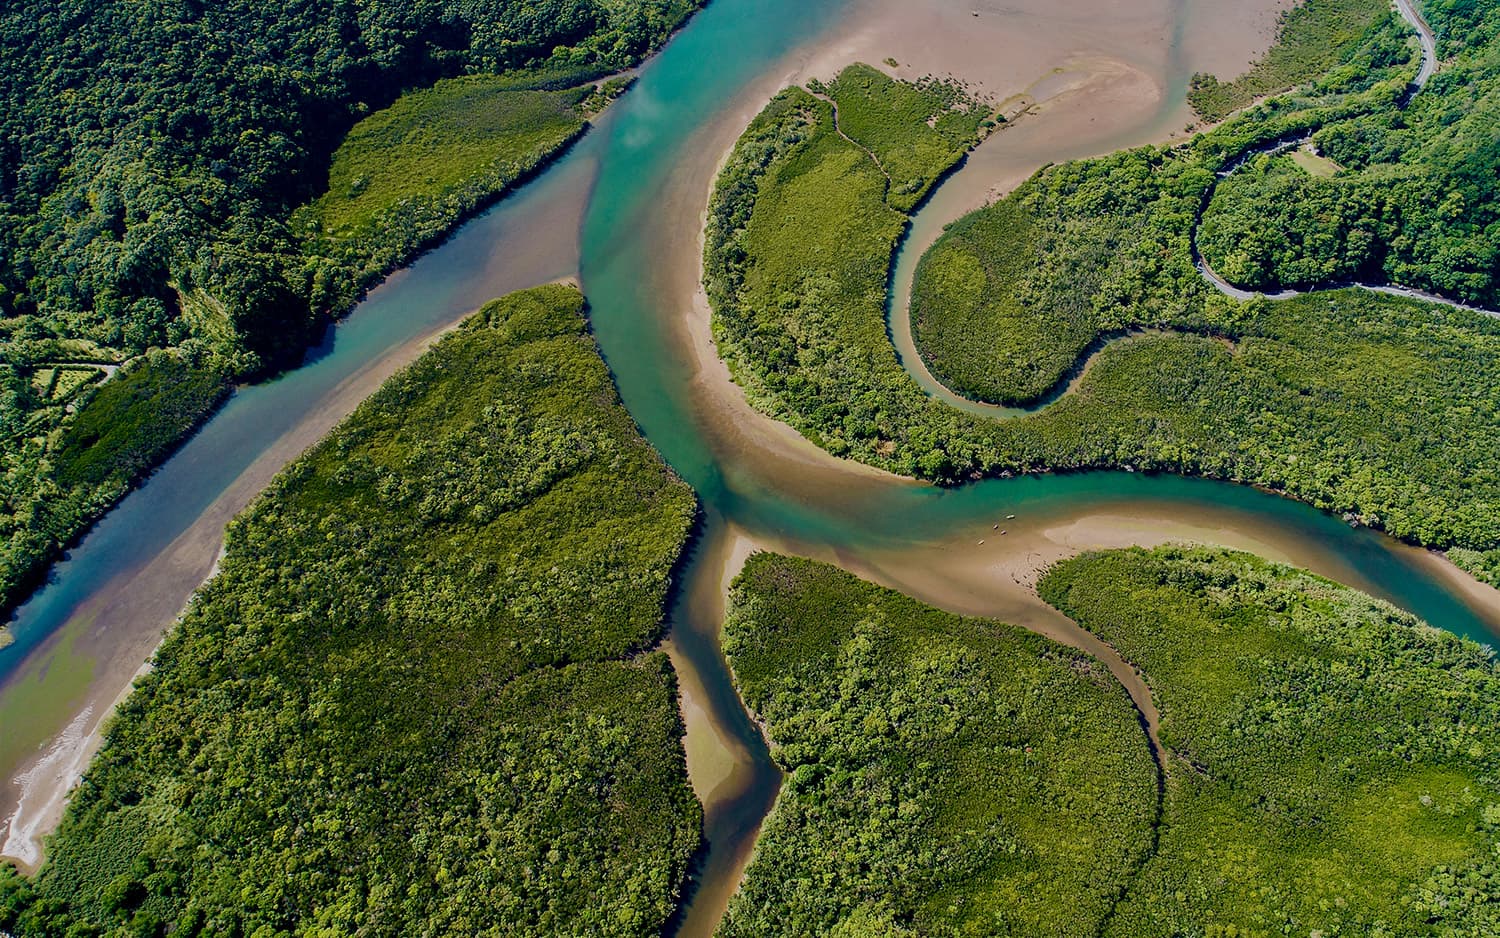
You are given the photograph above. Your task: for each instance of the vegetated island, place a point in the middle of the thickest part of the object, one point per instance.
(180, 208)
(1330, 761)
(1385, 409)
(418, 697)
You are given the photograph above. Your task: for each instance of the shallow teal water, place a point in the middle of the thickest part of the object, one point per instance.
(644, 147)
(636, 149)
(621, 244)
(629, 163)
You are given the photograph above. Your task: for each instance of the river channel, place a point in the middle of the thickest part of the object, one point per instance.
(622, 212)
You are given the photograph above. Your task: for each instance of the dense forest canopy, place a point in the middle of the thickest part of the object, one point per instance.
(1091, 261)
(152, 160)
(1331, 761)
(1413, 196)
(416, 698)
(1328, 762)
(945, 775)
(147, 148)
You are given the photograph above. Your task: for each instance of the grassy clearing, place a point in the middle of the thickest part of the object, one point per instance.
(945, 775)
(1333, 760)
(1312, 37)
(125, 428)
(414, 700)
(406, 174)
(1313, 163)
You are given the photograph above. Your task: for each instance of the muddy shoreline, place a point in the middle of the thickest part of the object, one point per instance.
(743, 463)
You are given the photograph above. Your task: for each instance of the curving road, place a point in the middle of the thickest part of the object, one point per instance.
(911, 359)
(1282, 144)
(1424, 35)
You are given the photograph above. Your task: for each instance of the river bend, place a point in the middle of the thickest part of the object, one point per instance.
(623, 211)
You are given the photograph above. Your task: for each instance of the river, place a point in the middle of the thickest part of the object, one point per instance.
(623, 211)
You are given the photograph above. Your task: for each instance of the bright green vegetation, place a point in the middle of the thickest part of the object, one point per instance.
(1332, 760)
(152, 156)
(1385, 409)
(800, 237)
(120, 432)
(416, 699)
(1417, 204)
(406, 174)
(1484, 564)
(915, 132)
(124, 428)
(1314, 164)
(1313, 37)
(1089, 248)
(1356, 402)
(945, 775)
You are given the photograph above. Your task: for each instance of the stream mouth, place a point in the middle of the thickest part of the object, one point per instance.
(623, 212)
(765, 487)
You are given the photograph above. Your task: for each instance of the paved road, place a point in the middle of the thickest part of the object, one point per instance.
(1425, 73)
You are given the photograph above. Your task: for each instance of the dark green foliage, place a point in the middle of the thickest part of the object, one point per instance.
(411, 700)
(1418, 202)
(1332, 761)
(125, 427)
(1353, 401)
(945, 775)
(120, 432)
(1313, 37)
(151, 155)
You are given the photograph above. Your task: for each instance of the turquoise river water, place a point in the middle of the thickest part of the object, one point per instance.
(608, 212)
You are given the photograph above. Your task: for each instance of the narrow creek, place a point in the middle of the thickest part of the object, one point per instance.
(623, 211)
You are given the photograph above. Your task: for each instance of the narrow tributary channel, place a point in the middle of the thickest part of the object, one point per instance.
(624, 209)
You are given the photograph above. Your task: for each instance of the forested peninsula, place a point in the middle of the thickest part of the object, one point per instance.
(180, 210)
(418, 697)
(1330, 768)
(1385, 409)
(944, 775)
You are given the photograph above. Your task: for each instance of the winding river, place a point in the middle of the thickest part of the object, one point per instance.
(623, 212)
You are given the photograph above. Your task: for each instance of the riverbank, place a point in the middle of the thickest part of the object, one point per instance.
(742, 460)
(502, 455)
(122, 588)
(230, 282)
(641, 267)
